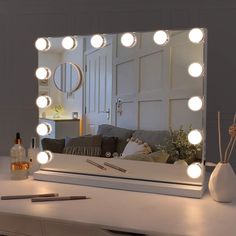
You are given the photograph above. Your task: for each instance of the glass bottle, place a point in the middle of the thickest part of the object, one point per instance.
(19, 162)
(32, 156)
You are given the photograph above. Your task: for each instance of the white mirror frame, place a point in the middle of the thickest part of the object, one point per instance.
(52, 171)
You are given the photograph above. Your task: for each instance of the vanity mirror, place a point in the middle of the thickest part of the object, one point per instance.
(143, 91)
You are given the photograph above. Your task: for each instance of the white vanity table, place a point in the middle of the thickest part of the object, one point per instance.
(144, 213)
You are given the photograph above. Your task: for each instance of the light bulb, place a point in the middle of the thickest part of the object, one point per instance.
(43, 73)
(195, 103)
(196, 35)
(161, 37)
(128, 40)
(43, 101)
(44, 129)
(195, 69)
(69, 43)
(44, 157)
(195, 137)
(98, 41)
(194, 170)
(42, 44)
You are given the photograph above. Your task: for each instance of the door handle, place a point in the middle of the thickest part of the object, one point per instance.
(108, 112)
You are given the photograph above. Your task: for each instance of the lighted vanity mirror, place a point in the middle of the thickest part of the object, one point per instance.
(143, 91)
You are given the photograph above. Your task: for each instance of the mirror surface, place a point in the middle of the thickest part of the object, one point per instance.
(142, 87)
(67, 77)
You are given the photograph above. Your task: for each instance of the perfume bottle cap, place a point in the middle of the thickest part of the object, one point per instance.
(33, 142)
(18, 139)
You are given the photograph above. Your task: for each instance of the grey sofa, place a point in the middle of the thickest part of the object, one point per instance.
(153, 138)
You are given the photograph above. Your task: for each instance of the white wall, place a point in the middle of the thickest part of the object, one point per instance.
(51, 60)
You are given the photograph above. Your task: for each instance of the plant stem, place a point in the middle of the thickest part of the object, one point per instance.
(227, 149)
(219, 136)
(231, 149)
(232, 139)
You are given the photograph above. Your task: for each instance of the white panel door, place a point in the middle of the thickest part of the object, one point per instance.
(152, 84)
(98, 89)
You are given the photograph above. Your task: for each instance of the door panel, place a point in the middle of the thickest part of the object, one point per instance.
(98, 88)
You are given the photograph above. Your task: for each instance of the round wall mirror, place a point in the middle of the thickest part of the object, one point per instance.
(68, 77)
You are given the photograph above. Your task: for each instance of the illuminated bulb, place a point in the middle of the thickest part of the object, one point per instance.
(44, 129)
(42, 44)
(194, 170)
(195, 137)
(128, 40)
(196, 35)
(195, 103)
(44, 157)
(43, 101)
(161, 37)
(195, 69)
(98, 41)
(69, 43)
(43, 73)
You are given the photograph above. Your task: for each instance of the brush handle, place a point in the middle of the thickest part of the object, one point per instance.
(46, 199)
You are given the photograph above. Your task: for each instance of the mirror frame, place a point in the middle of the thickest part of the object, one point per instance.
(80, 76)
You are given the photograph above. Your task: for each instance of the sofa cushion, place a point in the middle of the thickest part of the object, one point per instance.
(53, 145)
(153, 138)
(159, 156)
(84, 145)
(121, 133)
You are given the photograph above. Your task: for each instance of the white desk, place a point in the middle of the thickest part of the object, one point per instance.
(109, 209)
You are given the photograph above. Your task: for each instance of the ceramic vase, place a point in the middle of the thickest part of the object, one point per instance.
(222, 183)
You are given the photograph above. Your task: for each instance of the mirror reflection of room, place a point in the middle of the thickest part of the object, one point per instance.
(137, 96)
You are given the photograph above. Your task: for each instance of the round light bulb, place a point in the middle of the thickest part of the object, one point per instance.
(42, 44)
(69, 43)
(44, 129)
(195, 103)
(161, 37)
(44, 157)
(43, 73)
(98, 41)
(195, 137)
(195, 69)
(194, 170)
(196, 35)
(128, 40)
(43, 101)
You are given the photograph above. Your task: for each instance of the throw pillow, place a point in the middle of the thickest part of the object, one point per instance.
(108, 145)
(84, 145)
(53, 145)
(112, 131)
(158, 156)
(136, 146)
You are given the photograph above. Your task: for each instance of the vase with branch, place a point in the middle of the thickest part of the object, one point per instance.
(57, 109)
(222, 183)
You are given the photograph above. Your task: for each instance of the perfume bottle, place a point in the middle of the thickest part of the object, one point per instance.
(32, 156)
(19, 163)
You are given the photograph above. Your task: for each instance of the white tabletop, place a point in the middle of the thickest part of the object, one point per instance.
(121, 210)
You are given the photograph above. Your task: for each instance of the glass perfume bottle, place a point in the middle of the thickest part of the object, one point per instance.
(19, 162)
(32, 156)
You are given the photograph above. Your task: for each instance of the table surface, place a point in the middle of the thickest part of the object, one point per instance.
(120, 210)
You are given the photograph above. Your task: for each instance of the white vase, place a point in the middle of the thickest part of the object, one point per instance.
(222, 183)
